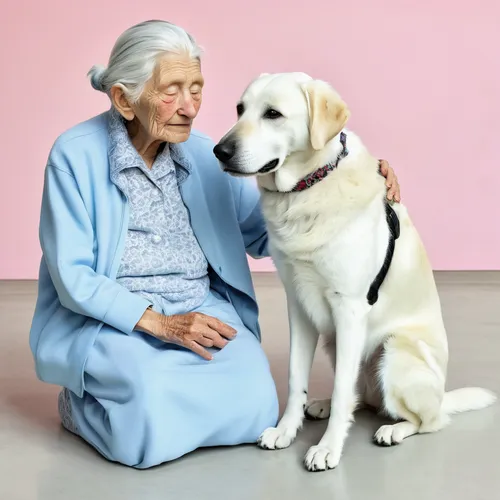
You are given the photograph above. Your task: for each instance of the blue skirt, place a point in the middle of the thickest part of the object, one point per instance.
(147, 402)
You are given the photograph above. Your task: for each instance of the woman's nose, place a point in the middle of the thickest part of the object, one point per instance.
(189, 108)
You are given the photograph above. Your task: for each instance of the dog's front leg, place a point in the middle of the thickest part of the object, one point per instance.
(350, 318)
(303, 342)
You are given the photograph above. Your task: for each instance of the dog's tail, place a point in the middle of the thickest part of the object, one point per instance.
(467, 399)
(458, 400)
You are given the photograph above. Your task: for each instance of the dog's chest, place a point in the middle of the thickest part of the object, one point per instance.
(301, 235)
(335, 250)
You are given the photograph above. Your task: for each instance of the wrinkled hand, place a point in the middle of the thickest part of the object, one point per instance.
(194, 331)
(391, 181)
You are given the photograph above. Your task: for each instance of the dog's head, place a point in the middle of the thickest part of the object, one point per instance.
(278, 115)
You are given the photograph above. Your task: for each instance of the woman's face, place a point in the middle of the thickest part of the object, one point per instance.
(170, 100)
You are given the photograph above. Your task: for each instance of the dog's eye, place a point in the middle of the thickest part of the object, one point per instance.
(240, 109)
(272, 114)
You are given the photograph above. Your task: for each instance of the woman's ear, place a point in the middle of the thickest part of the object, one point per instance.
(328, 113)
(121, 102)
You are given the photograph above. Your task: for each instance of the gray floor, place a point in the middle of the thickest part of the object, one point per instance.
(40, 461)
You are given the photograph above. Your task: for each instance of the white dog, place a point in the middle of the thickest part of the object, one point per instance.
(353, 267)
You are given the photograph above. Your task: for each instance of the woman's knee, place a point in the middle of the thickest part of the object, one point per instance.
(160, 419)
(267, 397)
(145, 444)
(141, 434)
(261, 397)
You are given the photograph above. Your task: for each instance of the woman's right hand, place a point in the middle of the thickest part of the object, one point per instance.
(195, 331)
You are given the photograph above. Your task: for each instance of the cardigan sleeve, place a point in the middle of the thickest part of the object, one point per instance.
(251, 220)
(67, 241)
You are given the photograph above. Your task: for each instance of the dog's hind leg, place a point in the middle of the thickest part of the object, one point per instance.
(412, 390)
(319, 409)
(389, 435)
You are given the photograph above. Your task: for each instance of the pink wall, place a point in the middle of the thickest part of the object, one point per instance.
(422, 80)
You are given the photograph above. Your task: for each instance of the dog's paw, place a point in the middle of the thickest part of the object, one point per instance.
(320, 458)
(391, 435)
(276, 438)
(318, 409)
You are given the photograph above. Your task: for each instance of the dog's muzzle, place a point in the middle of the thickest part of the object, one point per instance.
(226, 151)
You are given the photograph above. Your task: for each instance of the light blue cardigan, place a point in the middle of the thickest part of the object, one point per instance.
(84, 221)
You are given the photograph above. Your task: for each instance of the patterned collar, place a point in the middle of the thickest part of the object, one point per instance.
(122, 153)
(319, 174)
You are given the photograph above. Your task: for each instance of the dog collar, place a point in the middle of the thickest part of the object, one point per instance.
(319, 174)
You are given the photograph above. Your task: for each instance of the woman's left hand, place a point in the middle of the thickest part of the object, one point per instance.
(391, 181)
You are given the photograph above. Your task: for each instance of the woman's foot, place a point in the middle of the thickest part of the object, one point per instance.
(65, 412)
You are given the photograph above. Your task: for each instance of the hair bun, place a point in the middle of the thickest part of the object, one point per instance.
(96, 75)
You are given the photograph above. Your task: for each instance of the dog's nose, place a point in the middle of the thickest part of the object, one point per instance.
(224, 151)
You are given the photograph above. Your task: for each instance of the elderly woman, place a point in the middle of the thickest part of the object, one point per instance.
(146, 313)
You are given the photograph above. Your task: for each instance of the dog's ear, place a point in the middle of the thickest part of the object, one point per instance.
(328, 113)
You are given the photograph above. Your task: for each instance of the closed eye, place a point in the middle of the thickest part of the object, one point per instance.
(272, 114)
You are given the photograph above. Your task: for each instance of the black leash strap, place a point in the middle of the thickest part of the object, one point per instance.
(393, 223)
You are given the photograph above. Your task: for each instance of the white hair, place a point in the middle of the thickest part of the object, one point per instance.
(135, 54)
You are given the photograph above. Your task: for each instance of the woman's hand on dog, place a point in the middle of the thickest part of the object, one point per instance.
(391, 181)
